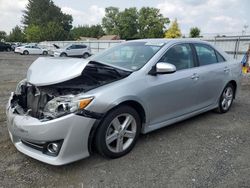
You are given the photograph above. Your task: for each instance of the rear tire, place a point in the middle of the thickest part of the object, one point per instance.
(226, 99)
(85, 55)
(25, 52)
(45, 53)
(117, 134)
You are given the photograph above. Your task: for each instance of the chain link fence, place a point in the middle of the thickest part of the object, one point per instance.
(95, 45)
(235, 46)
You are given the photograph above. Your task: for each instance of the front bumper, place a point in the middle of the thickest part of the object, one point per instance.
(73, 129)
(56, 54)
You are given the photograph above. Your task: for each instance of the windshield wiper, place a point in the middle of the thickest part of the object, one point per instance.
(119, 72)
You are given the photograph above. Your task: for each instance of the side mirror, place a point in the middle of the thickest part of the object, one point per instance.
(162, 68)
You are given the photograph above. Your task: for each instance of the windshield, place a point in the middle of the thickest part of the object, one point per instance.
(130, 55)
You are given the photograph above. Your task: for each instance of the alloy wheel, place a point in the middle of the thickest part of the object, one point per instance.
(227, 98)
(121, 133)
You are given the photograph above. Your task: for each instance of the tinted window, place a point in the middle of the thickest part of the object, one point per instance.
(206, 54)
(81, 46)
(179, 55)
(220, 58)
(71, 47)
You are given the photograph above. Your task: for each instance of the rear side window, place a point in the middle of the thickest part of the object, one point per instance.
(206, 54)
(82, 46)
(220, 58)
(179, 55)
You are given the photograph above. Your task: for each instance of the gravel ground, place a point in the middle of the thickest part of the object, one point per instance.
(210, 150)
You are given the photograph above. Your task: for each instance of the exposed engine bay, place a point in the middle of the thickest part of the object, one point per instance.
(32, 100)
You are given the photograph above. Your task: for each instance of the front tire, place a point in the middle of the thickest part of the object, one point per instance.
(118, 132)
(45, 53)
(63, 55)
(226, 99)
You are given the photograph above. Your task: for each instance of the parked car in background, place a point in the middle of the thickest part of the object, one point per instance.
(31, 49)
(73, 50)
(5, 46)
(66, 106)
(14, 45)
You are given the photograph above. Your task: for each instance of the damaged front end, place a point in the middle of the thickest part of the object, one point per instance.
(47, 102)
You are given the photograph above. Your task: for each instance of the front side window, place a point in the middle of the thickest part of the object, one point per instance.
(131, 55)
(71, 47)
(179, 55)
(206, 54)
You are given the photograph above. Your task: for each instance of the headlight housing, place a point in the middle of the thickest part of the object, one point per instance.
(19, 86)
(63, 105)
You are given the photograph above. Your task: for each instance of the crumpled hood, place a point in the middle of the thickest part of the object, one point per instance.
(50, 70)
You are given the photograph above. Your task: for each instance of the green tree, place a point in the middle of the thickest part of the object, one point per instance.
(131, 23)
(128, 23)
(53, 31)
(44, 14)
(194, 32)
(151, 23)
(34, 33)
(95, 31)
(110, 20)
(16, 35)
(3, 35)
(173, 31)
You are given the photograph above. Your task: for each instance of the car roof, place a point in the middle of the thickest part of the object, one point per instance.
(165, 40)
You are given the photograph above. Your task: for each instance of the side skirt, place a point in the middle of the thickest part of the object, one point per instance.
(149, 128)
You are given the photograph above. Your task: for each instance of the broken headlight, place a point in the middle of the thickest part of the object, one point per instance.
(19, 86)
(63, 105)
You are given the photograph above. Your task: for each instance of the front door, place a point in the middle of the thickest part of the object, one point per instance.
(172, 95)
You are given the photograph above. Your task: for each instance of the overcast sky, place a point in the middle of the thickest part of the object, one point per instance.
(211, 16)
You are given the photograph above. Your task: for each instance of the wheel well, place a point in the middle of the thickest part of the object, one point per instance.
(138, 107)
(234, 85)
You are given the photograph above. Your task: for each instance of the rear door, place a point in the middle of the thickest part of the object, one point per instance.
(213, 74)
(81, 49)
(71, 50)
(36, 50)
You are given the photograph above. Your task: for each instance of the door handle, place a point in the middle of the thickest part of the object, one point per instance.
(195, 76)
(226, 69)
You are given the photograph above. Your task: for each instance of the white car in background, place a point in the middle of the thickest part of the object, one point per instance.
(31, 49)
(73, 50)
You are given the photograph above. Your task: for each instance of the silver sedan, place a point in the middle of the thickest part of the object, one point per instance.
(65, 107)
